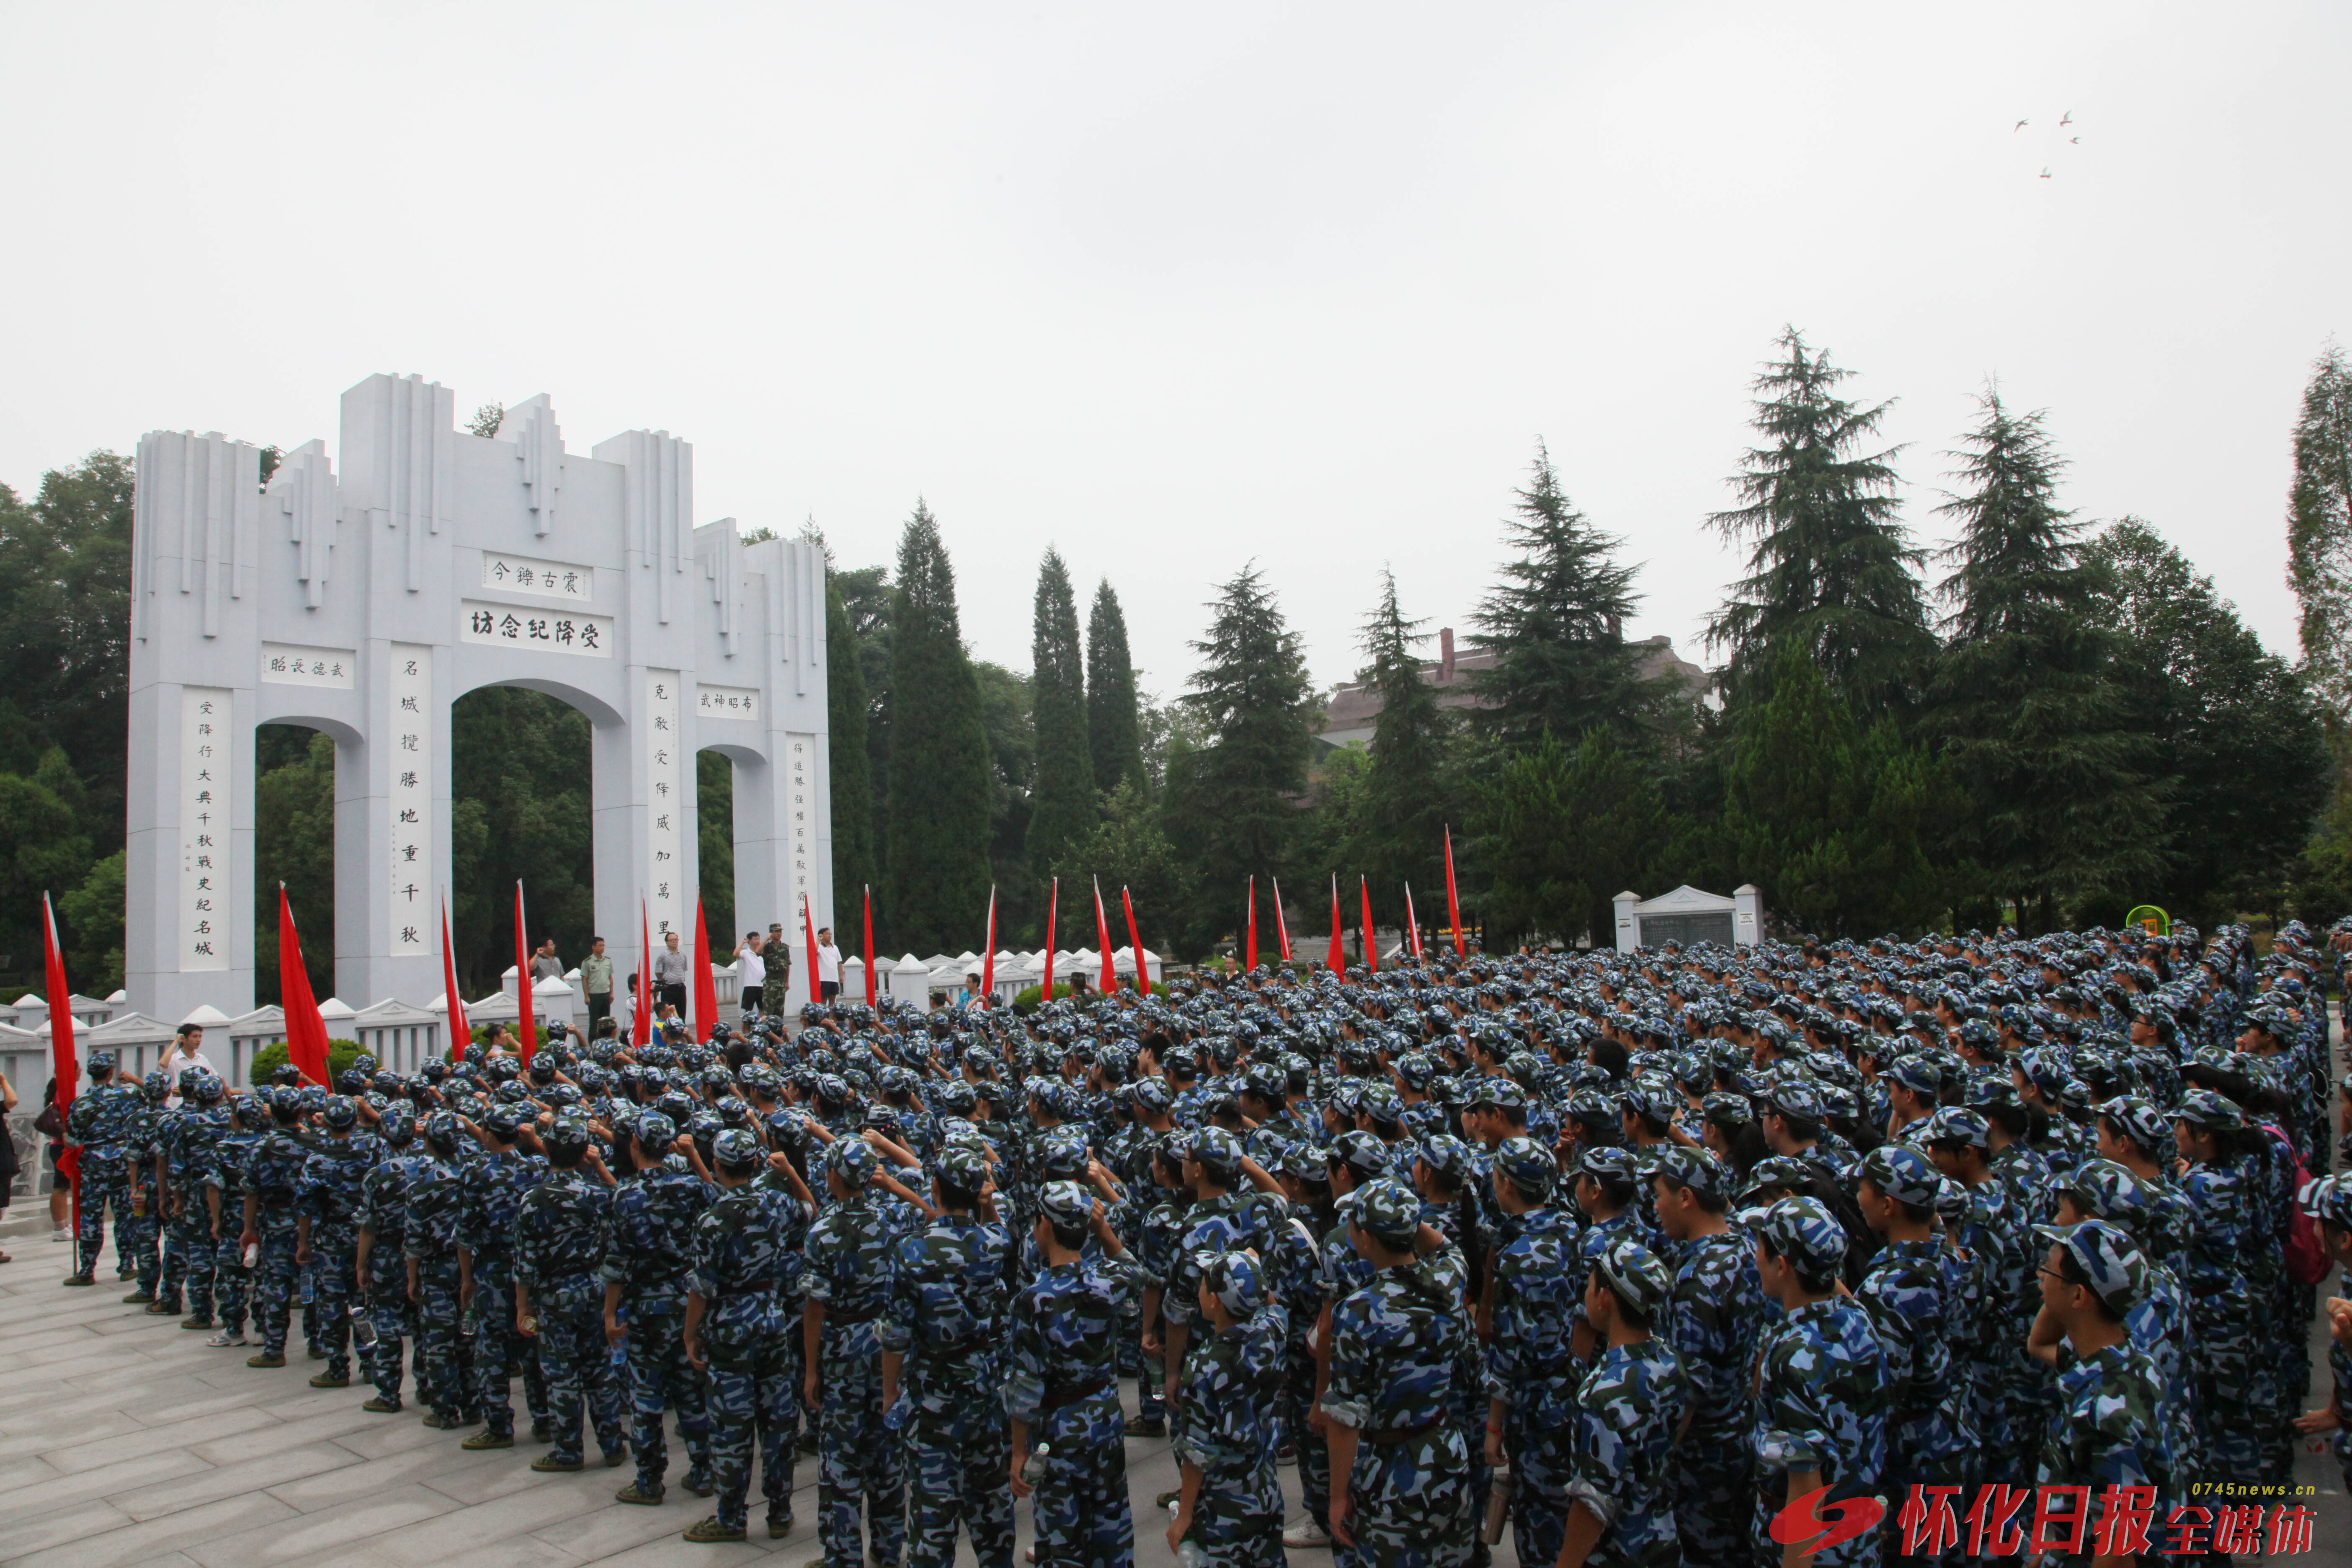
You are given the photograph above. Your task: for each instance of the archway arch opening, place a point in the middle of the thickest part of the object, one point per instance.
(293, 843)
(522, 805)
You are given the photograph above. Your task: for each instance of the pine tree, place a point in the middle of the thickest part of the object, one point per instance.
(1405, 795)
(1062, 808)
(940, 785)
(1830, 567)
(1233, 803)
(1556, 625)
(2319, 537)
(2024, 700)
(1114, 730)
(849, 769)
(1558, 828)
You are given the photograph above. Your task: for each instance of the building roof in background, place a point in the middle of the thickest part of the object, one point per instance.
(1354, 705)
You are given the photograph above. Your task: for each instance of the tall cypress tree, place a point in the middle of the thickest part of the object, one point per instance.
(1062, 795)
(851, 775)
(2319, 538)
(1400, 838)
(1232, 802)
(2024, 698)
(1113, 728)
(1556, 624)
(1830, 567)
(939, 797)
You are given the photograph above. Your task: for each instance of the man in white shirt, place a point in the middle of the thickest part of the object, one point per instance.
(672, 974)
(751, 974)
(186, 1050)
(828, 966)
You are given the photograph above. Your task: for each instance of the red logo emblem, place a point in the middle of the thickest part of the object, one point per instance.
(1813, 1513)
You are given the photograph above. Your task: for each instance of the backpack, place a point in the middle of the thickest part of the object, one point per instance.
(2306, 1261)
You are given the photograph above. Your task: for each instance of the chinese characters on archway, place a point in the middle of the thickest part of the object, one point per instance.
(207, 816)
(409, 730)
(546, 630)
(669, 803)
(550, 579)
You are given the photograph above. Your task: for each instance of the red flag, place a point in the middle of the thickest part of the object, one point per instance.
(522, 980)
(1412, 924)
(808, 929)
(1142, 970)
(870, 946)
(988, 959)
(1372, 951)
(306, 1032)
(1452, 900)
(1281, 922)
(1249, 953)
(65, 1065)
(1339, 958)
(641, 1028)
(1052, 909)
(706, 989)
(1102, 942)
(461, 1034)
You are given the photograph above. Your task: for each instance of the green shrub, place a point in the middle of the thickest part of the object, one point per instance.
(1028, 1002)
(341, 1054)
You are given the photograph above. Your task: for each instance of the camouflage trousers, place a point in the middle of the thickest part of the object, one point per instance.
(138, 1236)
(752, 1404)
(394, 1318)
(1078, 1509)
(274, 1275)
(334, 1269)
(1237, 1521)
(444, 1350)
(660, 1378)
(577, 1366)
(497, 1348)
(100, 1187)
(859, 1464)
(1709, 1480)
(178, 1233)
(960, 1459)
(1540, 1434)
(1149, 1374)
(1410, 1503)
(232, 1283)
(201, 1258)
(1296, 1405)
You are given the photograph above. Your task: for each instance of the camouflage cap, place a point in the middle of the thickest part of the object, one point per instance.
(1917, 1074)
(1361, 1152)
(1901, 1172)
(2107, 1190)
(1501, 1092)
(1067, 1205)
(1390, 1213)
(566, 1138)
(396, 1126)
(851, 1159)
(2138, 1120)
(653, 1130)
(2329, 1201)
(1696, 1169)
(1237, 1280)
(1802, 1231)
(1656, 1100)
(1959, 1124)
(1731, 1110)
(1217, 1150)
(1635, 1274)
(1448, 1155)
(2203, 1108)
(503, 1121)
(2107, 1256)
(342, 1113)
(1528, 1165)
(1777, 1172)
(1795, 1097)
(735, 1151)
(1606, 1161)
(961, 1165)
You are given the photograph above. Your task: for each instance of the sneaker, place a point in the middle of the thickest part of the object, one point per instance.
(711, 1530)
(162, 1308)
(1146, 1426)
(136, 1297)
(699, 1483)
(328, 1380)
(541, 1432)
(318, 1353)
(225, 1340)
(780, 1525)
(380, 1405)
(63, 1233)
(481, 1440)
(549, 1463)
(77, 1279)
(196, 1324)
(1307, 1534)
(615, 1458)
(639, 1493)
(267, 1358)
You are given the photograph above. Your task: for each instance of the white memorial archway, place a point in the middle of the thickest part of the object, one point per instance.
(363, 604)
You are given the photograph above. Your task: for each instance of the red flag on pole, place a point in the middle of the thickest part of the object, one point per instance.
(1249, 951)
(988, 959)
(1142, 969)
(1102, 942)
(706, 989)
(1452, 900)
(65, 1065)
(869, 944)
(1339, 958)
(1371, 950)
(1053, 910)
(306, 1032)
(808, 929)
(1281, 922)
(1412, 924)
(641, 1028)
(522, 980)
(461, 1034)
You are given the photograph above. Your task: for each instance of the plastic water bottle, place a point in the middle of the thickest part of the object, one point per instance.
(252, 1253)
(896, 1417)
(363, 1327)
(1042, 1451)
(619, 1356)
(1190, 1555)
(310, 1289)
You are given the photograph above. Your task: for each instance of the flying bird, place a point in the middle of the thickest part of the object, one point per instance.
(2074, 139)
(2016, 128)
(2045, 173)
(2067, 119)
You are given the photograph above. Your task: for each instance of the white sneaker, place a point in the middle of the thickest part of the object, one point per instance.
(63, 1233)
(224, 1340)
(1307, 1533)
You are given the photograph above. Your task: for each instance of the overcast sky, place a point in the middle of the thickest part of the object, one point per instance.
(1174, 288)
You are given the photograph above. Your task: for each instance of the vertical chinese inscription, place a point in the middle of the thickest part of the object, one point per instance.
(410, 930)
(207, 775)
(667, 805)
(800, 803)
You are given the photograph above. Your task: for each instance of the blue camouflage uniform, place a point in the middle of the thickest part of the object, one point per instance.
(845, 1270)
(329, 1196)
(99, 1123)
(1530, 1367)
(563, 1231)
(1712, 1321)
(1627, 1413)
(655, 1213)
(274, 1178)
(430, 1208)
(489, 1196)
(741, 1249)
(1233, 1381)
